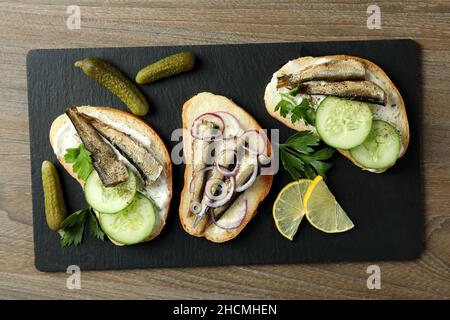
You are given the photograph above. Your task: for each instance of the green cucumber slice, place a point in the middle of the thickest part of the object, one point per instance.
(343, 123)
(112, 199)
(133, 224)
(381, 149)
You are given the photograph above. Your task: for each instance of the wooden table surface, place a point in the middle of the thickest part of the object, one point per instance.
(42, 24)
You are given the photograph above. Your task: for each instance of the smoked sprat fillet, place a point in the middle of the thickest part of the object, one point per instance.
(334, 70)
(133, 150)
(111, 170)
(354, 90)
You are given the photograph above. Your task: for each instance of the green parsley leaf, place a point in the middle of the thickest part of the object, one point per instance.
(300, 159)
(72, 237)
(302, 111)
(95, 229)
(302, 142)
(74, 219)
(71, 155)
(73, 227)
(297, 114)
(81, 161)
(320, 167)
(310, 116)
(284, 107)
(292, 165)
(305, 112)
(288, 97)
(323, 154)
(294, 91)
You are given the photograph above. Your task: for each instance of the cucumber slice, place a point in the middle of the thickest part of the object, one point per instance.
(112, 199)
(343, 123)
(133, 224)
(381, 149)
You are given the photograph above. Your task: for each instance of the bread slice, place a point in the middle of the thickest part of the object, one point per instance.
(197, 105)
(61, 138)
(393, 112)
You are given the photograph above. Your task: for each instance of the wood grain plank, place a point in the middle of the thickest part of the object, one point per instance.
(29, 24)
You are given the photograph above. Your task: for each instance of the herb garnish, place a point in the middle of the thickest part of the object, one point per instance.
(302, 111)
(96, 231)
(301, 160)
(81, 160)
(73, 227)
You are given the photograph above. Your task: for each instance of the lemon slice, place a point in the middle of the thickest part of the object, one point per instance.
(288, 207)
(322, 209)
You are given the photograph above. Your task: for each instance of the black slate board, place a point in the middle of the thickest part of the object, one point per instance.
(386, 208)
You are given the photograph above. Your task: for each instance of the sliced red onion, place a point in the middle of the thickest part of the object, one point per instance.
(212, 117)
(194, 176)
(227, 173)
(235, 223)
(251, 180)
(217, 201)
(255, 139)
(221, 168)
(232, 127)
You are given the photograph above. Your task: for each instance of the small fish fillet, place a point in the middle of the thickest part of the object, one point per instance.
(247, 165)
(199, 151)
(138, 155)
(334, 70)
(366, 91)
(110, 169)
(226, 158)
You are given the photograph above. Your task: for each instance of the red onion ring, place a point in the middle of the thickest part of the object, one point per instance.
(232, 127)
(260, 144)
(233, 224)
(198, 121)
(212, 203)
(225, 172)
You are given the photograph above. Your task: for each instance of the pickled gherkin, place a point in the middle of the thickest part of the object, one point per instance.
(169, 66)
(116, 82)
(55, 208)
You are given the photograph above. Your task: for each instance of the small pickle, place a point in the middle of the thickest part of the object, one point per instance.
(169, 66)
(55, 209)
(116, 82)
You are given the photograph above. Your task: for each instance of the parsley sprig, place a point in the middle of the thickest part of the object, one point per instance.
(81, 161)
(73, 225)
(300, 159)
(302, 111)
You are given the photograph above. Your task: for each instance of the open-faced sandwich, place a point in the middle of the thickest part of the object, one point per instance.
(348, 101)
(226, 152)
(130, 185)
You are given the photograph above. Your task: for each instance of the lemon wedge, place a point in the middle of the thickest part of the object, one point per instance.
(288, 207)
(322, 209)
